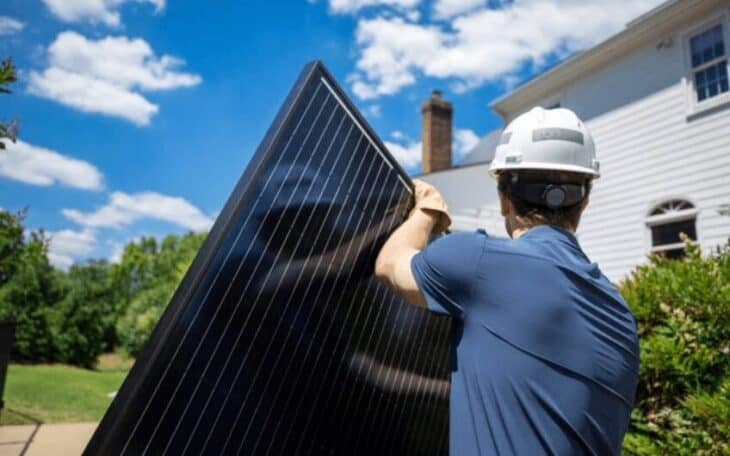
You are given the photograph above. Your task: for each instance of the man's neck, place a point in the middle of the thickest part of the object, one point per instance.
(518, 232)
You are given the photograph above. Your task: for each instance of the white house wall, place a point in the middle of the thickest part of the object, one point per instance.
(471, 195)
(651, 151)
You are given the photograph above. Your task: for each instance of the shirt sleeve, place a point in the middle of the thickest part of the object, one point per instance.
(445, 271)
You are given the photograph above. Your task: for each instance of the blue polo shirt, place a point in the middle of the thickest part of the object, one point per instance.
(547, 355)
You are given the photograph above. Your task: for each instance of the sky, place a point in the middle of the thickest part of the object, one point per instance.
(139, 116)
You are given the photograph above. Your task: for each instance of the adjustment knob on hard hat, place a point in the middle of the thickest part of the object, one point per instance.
(549, 139)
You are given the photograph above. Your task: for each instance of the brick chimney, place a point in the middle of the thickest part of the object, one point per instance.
(437, 119)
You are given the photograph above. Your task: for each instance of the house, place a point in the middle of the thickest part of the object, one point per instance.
(655, 96)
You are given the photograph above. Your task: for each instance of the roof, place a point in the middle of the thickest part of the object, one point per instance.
(654, 24)
(484, 150)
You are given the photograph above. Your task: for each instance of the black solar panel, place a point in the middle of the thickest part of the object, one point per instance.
(279, 340)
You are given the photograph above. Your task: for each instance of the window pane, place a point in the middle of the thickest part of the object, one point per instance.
(696, 59)
(711, 74)
(711, 81)
(669, 232)
(707, 46)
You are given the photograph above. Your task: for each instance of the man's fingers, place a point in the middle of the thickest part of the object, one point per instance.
(429, 199)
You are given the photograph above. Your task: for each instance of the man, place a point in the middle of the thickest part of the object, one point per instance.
(547, 353)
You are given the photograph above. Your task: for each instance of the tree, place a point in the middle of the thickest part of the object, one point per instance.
(30, 295)
(146, 279)
(8, 76)
(11, 243)
(84, 319)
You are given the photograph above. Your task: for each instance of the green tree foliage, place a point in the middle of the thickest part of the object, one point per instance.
(146, 278)
(84, 320)
(74, 316)
(683, 315)
(30, 295)
(8, 76)
(11, 243)
(137, 323)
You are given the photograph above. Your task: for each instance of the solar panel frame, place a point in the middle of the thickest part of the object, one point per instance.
(121, 431)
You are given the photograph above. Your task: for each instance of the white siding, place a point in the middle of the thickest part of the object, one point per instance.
(471, 195)
(650, 151)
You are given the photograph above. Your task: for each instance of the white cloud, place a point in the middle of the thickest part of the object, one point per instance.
(123, 209)
(444, 9)
(374, 111)
(409, 155)
(352, 6)
(10, 26)
(483, 45)
(464, 141)
(67, 245)
(398, 135)
(117, 253)
(40, 166)
(105, 76)
(102, 11)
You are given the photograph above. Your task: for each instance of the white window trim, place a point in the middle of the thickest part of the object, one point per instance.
(670, 217)
(665, 247)
(695, 107)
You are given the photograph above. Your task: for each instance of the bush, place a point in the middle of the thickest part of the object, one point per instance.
(682, 308)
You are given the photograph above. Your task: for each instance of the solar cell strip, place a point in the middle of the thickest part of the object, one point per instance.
(309, 284)
(325, 311)
(291, 294)
(268, 276)
(309, 375)
(148, 439)
(258, 351)
(175, 399)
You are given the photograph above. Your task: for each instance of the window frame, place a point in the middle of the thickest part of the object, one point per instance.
(671, 217)
(695, 107)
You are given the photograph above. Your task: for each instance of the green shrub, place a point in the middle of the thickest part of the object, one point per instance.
(682, 308)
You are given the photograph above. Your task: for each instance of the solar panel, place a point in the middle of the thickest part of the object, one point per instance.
(279, 339)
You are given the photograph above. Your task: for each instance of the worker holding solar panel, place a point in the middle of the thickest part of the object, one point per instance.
(546, 350)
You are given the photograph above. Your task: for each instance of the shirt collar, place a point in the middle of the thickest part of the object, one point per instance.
(539, 232)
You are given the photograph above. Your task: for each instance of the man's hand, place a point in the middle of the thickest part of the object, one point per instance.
(430, 201)
(393, 265)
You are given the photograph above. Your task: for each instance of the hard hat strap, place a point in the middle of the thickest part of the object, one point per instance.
(552, 196)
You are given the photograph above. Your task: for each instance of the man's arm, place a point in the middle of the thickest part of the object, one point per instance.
(393, 265)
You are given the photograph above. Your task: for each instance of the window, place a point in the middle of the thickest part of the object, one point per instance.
(709, 63)
(666, 221)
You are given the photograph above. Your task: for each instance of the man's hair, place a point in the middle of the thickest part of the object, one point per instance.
(534, 214)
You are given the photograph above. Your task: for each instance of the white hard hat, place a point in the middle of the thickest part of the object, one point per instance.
(550, 139)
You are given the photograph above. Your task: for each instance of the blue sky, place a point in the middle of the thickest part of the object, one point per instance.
(138, 116)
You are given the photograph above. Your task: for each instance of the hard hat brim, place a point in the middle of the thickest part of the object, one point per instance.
(495, 170)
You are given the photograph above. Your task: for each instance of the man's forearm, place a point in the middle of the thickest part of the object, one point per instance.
(414, 233)
(393, 263)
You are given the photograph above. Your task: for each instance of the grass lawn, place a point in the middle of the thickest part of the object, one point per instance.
(58, 393)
